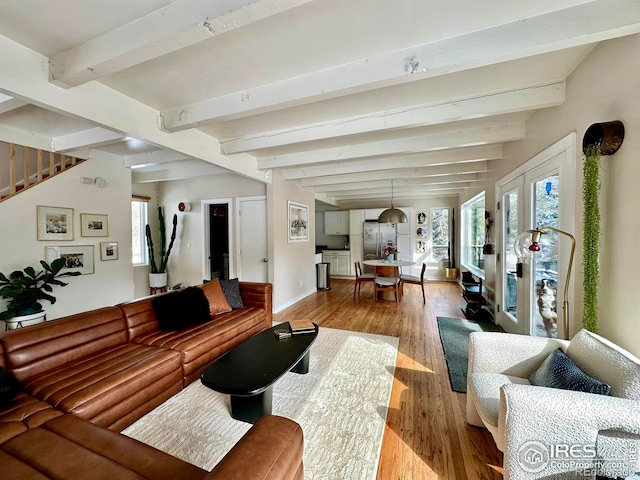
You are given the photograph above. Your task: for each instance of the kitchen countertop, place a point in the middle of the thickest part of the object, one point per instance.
(336, 250)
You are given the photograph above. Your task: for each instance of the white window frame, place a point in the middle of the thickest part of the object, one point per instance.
(141, 227)
(465, 240)
(433, 245)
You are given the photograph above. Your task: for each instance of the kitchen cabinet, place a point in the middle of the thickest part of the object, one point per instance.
(406, 228)
(338, 261)
(355, 243)
(336, 223)
(373, 214)
(356, 219)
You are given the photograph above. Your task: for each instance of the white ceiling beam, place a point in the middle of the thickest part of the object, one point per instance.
(452, 110)
(564, 28)
(397, 191)
(398, 182)
(435, 171)
(387, 196)
(448, 157)
(8, 103)
(22, 76)
(176, 171)
(457, 138)
(24, 137)
(91, 138)
(178, 25)
(148, 159)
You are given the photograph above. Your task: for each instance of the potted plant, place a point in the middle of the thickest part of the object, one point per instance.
(26, 289)
(451, 271)
(158, 273)
(390, 252)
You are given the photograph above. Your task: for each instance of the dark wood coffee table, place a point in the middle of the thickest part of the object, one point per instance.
(248, 371)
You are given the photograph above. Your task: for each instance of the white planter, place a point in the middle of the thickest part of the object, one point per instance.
(26, 320)
(157, 280)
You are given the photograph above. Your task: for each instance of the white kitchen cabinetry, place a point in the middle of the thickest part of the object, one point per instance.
(373, 214)
(355, 243)
(406, 228)
(336, 223)
(356, 219)
(338, 261)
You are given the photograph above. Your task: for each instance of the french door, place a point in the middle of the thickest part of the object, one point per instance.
(540, 193)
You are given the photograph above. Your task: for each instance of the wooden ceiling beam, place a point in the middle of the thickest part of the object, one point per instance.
(176, 26)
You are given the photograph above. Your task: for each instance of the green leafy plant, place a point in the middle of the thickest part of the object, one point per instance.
(26, 288)
(164, 252)
(591, 240)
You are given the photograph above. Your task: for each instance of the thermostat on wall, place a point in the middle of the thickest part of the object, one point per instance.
(184, 207)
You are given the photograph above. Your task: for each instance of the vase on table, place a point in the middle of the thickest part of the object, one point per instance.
(390, 257)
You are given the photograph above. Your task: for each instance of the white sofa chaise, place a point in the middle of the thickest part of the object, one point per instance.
(550, 432)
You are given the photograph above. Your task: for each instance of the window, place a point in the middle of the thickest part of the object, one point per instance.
(472, 234)
(440, 224)
(138, 225)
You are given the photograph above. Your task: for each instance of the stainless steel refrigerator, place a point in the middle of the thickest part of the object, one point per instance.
(375, 237)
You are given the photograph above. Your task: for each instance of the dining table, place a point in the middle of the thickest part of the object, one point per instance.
(384, 269)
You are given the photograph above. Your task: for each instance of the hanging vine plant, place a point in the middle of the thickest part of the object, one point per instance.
(591, 239)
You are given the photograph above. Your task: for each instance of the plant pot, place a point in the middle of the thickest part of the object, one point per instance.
(157, 280)
(390, 257)
(451, 272)
(26, 320)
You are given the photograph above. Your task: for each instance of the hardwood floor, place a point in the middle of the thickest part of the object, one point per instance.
(426, 434)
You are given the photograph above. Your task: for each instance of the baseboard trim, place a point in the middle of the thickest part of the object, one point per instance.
(293, 301)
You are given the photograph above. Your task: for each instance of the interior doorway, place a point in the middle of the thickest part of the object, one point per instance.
(217, 241)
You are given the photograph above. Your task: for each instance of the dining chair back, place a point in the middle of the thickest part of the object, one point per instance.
(389, 283)
(360, 277)
(416, 280)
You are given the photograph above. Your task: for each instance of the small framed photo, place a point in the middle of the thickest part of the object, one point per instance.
(422, 218)
(298, 222)
(108, 251)
(94, 225)
(55, 223)
(78, 258)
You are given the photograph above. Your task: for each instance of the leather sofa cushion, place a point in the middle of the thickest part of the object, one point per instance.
(216, 298)
(201, 344)
(105, 386)
(70, 448)
(25, 412)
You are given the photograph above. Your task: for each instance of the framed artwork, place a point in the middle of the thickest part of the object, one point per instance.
(55, 223)
(298, 222)
(108, 251)
(94, 225)
(422, 218)
(421, 246)
(78, 258)
(422, 232)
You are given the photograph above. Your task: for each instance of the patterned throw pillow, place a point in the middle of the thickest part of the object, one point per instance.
(559, 371)
(231, 290)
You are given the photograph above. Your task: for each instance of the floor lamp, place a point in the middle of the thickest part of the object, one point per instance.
(532, 242)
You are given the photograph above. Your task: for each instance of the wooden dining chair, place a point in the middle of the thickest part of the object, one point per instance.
(416, 280)
(389, 283)
(361, 277)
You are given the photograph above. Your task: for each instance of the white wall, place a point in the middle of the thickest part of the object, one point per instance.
(603, 88)
(112, 281)
(185, 262)
(141, 274)
(292, 266)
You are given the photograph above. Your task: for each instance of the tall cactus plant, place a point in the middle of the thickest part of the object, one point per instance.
(164, 252)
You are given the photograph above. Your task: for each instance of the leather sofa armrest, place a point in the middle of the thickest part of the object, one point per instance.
(258, 295)
(271, 450)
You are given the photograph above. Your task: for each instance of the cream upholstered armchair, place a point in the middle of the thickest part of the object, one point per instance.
(551, 432)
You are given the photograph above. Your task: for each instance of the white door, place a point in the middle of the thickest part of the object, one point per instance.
(539, 194)
(252, 239)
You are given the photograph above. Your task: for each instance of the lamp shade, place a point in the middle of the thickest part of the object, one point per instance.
(392, 215)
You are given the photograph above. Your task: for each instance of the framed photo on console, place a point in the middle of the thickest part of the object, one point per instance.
(78, 258)
(55, 223)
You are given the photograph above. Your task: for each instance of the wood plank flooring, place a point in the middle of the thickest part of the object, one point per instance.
(426, 436)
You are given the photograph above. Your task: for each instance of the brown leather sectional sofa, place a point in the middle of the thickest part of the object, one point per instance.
(87, 376)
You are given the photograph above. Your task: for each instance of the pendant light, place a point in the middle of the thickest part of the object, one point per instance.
(392, 215)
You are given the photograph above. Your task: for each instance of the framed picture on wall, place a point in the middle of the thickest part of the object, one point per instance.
(108, 251)
(55, 223)
(298, 222)
(78, 258)
(94, 225)
(422, 218)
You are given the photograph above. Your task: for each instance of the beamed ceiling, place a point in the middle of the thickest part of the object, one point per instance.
(344, 96)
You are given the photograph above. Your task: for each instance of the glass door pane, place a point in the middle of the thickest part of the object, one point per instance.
(510, 300)
(544, 287)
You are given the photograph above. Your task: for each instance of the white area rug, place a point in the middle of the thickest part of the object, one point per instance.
(341, 405)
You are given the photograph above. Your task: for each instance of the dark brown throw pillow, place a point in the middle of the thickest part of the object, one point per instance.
(9, 387)
(181, 309)
(217, 301)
